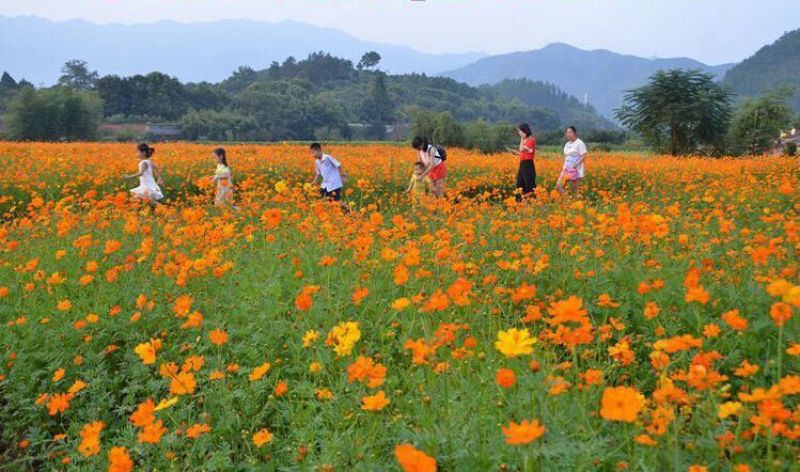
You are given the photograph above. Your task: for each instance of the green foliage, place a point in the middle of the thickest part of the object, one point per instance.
(54, 114)
(75, 74)
(757, 122)
(570, 111)
(323, 95)
(773, 66)
(791, 149)
(155, 95)
(211, 125)
(378, 108)
(441, 128)
(369, 60)
(680, 112)
(289, 110)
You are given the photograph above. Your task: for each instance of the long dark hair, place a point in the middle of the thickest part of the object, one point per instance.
(146, 150)
(525, 128)
(420, 143)
(220, 152)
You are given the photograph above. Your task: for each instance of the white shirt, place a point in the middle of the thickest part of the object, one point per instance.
(573, 151)
(426, 158)
(328, 168)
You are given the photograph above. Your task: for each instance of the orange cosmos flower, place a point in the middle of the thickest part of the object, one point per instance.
(359, 294)
(375, 402)
(262, 437)
(281, 389)
(525, 432)
(697, 294)
(144, 414)
(271, 218)
(90, 438)
(304, 301)
(218, 337)
(505, 378)
(151, 434)
(119, 460)
(605, 301)
(182, 384)
(621, 404)
(780, 313)
(182, 305)
(111, 247)
(735, 321)
(412, 459)
(147, 351)
(64, 305)
(59, 374)
(58, 403)
(196, 430)
(260, 371)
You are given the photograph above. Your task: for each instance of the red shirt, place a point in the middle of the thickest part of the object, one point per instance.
(525, 155)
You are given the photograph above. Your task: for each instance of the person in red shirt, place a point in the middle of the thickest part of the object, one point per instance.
(526, 175)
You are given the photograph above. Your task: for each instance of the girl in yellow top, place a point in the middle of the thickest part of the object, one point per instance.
(416, 187)
(223, 179)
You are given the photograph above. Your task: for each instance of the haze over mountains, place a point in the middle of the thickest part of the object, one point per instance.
(34, 48)
(601, 76)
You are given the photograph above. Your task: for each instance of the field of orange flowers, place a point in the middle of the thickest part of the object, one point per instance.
(650, 325)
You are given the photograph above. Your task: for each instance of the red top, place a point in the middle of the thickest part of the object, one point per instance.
(529, 142)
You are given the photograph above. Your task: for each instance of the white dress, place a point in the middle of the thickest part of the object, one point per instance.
(573, 151)
(148, 188)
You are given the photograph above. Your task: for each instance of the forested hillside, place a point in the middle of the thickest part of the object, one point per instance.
(321, 97)
(773, 66)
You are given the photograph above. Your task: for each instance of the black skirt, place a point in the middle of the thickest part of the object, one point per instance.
(526, 177)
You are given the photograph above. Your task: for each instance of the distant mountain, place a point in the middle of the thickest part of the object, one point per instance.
(601, 76)
(35, 48)
(772, 66)
(569, 109)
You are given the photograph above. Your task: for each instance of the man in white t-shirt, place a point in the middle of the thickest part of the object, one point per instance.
(574, 160)
(330, 171)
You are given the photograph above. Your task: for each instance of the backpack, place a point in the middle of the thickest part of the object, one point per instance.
(441, 151)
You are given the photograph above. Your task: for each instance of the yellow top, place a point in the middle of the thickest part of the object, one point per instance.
(222, 170)
(416, 185)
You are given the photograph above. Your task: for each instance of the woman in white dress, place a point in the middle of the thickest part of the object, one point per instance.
(574, 159)
(149, 177)
(223, 178)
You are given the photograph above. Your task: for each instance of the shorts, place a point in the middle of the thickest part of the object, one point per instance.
(438, 173)
(333, 195)
(570, 175)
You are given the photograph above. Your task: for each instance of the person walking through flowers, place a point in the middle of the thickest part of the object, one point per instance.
(574, 160)
(149, 176)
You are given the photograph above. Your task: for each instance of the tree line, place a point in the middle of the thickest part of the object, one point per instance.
(322, 97)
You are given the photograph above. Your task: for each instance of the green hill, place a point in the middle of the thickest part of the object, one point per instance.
(773, 66)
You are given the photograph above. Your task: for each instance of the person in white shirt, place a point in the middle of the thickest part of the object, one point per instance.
(330, 171)
(574, 160)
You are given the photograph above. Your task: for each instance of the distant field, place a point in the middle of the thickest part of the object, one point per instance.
(650, 325)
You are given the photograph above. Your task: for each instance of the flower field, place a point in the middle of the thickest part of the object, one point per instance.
(650, 325)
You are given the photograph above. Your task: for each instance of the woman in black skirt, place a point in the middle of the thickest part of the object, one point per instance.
(526, 175)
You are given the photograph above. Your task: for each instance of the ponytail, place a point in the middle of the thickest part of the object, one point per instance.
(146, 150)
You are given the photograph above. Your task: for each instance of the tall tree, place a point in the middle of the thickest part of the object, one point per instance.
(678, 111)
(757, 122)
(369, 60)
(75, 74)
(378, 107)
(7, 82)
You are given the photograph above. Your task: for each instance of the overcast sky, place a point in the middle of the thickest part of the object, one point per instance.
(712, 31)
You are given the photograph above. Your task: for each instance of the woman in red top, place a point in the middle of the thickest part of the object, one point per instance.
(526, 175)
